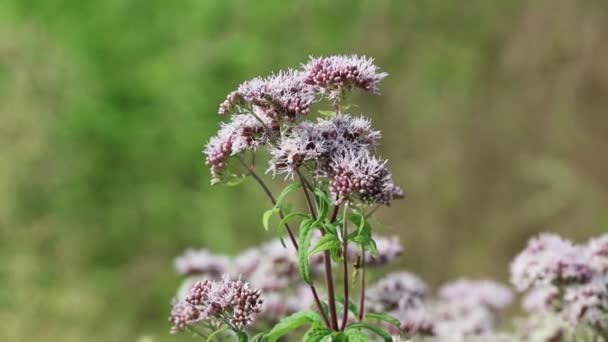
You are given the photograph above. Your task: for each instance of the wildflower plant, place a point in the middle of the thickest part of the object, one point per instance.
(331, 161)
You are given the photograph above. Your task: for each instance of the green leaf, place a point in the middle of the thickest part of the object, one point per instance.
(305, 233)
(216, 334)
(292, 322)
(259, 337)
(327, 241)
(356, 336)
(383, 317)
(323, 204)
(376, 330)
(268, 214)
(359, 220)
(352, 307)
(286, 191)
(241, 336)
(291, 216)
(327, 112)
(317, 333)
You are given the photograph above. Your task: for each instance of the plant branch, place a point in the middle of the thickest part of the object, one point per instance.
(362, 285)
(272, 200)
(289, 232)
(307, 195)
(345, 266)
(329, 282)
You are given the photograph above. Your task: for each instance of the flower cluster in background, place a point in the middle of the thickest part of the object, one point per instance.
(565, 289)
(563, 281)
(271, 268)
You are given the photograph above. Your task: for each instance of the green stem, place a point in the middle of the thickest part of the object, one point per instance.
(289, 232)
(345, 266)
(362, 285)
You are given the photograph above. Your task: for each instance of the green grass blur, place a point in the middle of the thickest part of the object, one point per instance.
(494, 121)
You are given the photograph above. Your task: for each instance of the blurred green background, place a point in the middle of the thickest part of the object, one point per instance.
(494, 121)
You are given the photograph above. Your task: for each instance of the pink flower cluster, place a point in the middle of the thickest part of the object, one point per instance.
(463, 310)
(225, 301)
(267, 111)
(564, 279)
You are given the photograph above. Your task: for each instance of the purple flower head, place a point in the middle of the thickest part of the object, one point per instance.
(243, 132)
(389, 249)
(488, 293)
(319, 141)
(545, 327)
(415, 320)
(356, 174)
(275, 268)
(229, 301)
(587, 303)
(182, 314)
(458, 321)
(541, 299)
(396, 291)
(597, 254)
(548, 259)
(201, 262)
(280, 304)
(303, 143)
(282, 95)
(337, 74)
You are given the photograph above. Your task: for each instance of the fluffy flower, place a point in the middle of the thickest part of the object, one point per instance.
(415, 320)
(229, 301)
(356, 174)
(272, 267)
(335, 75)
(547, 259)
(587, 303)
(543, 328)
(183, 314)
(541, 299)
(597, 254)
(321, 140)
(282, 95)
(389, 248)
(396, 291)
(455, 320)
(201, 262)
(473, 293)
(243, 132)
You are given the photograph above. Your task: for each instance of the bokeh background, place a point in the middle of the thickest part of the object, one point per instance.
(494, 119)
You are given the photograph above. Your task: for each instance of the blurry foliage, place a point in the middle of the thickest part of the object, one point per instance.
(494, 118)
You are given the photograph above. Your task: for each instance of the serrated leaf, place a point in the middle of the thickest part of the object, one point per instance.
(356, 336)
(292, 322)
(383, 317)
(286, 191)
(268, 214)
(376, 330)
(326, 242)
(304, 236)
(327, 112)
(316, 334)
